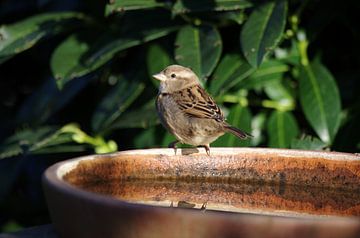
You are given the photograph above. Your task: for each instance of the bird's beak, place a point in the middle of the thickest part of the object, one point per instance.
(160, 76)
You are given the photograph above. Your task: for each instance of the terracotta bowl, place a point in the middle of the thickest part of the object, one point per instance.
(247, 192)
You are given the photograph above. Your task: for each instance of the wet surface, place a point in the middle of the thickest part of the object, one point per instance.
(234, 197)
(264, 183)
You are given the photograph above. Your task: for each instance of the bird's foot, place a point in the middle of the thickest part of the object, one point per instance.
(173, 145)
(207, 149)
(203, 207)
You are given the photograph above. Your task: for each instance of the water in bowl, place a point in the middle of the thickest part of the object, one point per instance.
(237, 196)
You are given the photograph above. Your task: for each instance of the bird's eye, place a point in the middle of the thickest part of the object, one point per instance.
(173, 75)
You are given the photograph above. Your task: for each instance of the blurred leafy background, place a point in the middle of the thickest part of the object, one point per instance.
(76, 79)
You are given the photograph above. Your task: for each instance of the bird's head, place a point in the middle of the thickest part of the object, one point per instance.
(176, 77)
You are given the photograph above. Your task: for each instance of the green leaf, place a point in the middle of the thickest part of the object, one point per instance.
(219, 18)
(279, 91)
(66, 60)
(117, 100)
(282, 94)
(185, 6)
(238, 17)
(144, 117)
(282, 128)
(263, 30)
(125, 5)
(198, 48)
(232, 69)
(258, 124)
(269, 72)
(31, 141)
(71, 149)
(239, 117)
(135, 29)
(320, 100)
(157, 59)
(22, 35)
(308, 143)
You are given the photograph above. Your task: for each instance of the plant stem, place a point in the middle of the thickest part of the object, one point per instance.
(302, 44)
(97, 142)
(282, 105)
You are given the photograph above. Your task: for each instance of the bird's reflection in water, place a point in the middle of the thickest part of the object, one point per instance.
(234, 197)
(185, 204)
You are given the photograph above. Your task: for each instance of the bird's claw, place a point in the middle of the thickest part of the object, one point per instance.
(207, 149)
(173, 145)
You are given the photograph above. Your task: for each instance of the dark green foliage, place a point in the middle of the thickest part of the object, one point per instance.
(239, 116)
(282, 128)
(79, 81)
(263, 30)
(198, 48)
(320, 100)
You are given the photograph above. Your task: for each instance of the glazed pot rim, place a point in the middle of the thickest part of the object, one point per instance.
(68, 165)
(53, 176)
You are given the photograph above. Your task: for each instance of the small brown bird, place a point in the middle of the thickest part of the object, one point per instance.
(187, 111)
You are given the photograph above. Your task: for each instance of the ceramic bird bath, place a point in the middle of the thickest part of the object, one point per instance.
(247, 192)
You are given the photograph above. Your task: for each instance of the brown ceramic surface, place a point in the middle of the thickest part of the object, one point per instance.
(288, 192)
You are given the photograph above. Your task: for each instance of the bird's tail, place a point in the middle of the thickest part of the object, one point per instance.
(237, 132)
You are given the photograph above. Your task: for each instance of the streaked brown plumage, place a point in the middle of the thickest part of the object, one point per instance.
(187, 111)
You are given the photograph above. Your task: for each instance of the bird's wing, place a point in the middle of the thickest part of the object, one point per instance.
(195, 102)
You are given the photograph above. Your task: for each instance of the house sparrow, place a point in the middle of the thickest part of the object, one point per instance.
(187, 111)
